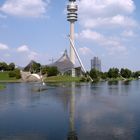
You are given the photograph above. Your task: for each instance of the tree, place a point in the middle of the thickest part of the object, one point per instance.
(18, 74)
(33, 67)
(3, 66)
(44, 70)
(11, 66)
(95, 74)
(15, 73)
(36, 67)
(113, 73)
(126, 73)
(104, 75)
(136, 74)
(12, 74)
(52, 71)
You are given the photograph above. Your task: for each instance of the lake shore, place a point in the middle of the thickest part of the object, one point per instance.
(2, 87)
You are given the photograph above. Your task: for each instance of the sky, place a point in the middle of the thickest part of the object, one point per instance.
(37, 30)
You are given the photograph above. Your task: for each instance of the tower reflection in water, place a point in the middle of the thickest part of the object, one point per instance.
(72, 135)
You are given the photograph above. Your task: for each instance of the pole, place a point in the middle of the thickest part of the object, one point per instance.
(74, 49)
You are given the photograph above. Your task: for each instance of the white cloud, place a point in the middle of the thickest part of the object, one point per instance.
(85, 51)
(109, 22)
(107, 13)
(90, 35)
(23, 48)
(113, 45)
(106, 8)
(105, 22)
(25, 8)
(128, 33)
(33, 55)
(3, 46)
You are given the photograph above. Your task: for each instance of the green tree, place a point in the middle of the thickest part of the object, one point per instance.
(15, 73)
(11, 66)
(3, 66)
(44, 70)
(136, 74)
(36, 67)
(52, 71)
(33, 67)
(18, 74)
(12, 74)
(126, 73)
(113, 73)
(104, 75)
(95, 74)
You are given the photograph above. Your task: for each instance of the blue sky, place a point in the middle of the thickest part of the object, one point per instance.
(37, 30)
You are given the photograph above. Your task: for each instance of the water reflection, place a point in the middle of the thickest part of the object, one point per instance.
(113, 82)
(71, 111)
(72, 132)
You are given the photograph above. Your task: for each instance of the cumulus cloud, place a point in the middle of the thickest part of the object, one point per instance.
(109, 22)
(32, 55)
(85, 51)
(128, 33)
(107, 13)
(25, 8)
(23, 48)
(3, 46)
(105, 22)
(113, 45)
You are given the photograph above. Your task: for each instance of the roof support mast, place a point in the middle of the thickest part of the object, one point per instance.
(78, 57)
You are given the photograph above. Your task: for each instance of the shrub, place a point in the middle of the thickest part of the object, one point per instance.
(52, 71)
(15, 73)
(12, 74)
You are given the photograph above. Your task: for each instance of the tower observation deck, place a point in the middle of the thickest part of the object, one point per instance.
(72, 9)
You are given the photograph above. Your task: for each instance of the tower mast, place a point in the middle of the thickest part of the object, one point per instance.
(72, 9)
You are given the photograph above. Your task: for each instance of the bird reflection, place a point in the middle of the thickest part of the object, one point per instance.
(72, 133)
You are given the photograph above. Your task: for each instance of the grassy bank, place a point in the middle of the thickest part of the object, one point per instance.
(62, 79)
(120, 79)
(4, 77)
(2, 87)
(79, 79)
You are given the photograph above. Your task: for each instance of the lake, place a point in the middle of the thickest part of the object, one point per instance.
(70, 111)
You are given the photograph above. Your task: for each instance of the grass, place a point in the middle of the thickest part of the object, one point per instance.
(62, 79)
(121, 79)
(2, 87)
(4, 77)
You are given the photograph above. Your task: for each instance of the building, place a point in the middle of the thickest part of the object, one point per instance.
(65, 66)
(96, 63)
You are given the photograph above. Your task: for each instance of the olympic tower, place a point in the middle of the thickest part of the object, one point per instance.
(72, 9)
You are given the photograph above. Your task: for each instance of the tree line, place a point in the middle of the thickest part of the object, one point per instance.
(123, 73)
(13, 71)
(7, 67)
(34, 67)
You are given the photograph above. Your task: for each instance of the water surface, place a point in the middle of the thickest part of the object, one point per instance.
(66, 110)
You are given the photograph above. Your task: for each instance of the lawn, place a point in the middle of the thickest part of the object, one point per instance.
(4, 76)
